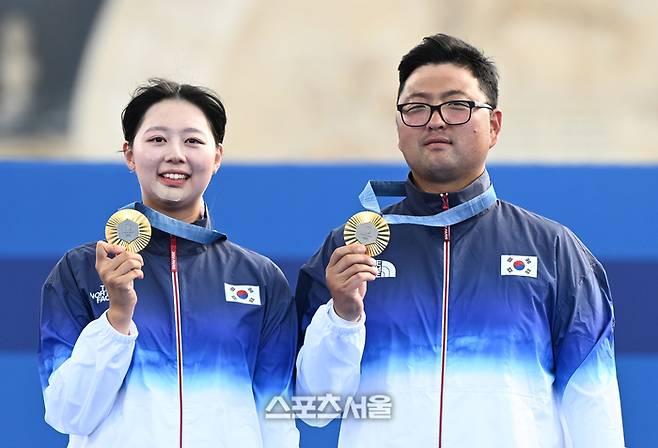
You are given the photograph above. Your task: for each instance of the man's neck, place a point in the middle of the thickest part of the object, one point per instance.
(442, 187)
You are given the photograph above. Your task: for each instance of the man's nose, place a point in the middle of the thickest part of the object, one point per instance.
(435, 120)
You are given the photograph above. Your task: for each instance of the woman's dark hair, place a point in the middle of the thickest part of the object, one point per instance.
(444, 49)
(156, 90)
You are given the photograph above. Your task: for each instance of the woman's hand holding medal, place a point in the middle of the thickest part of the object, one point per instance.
(118, 264)
(118, 268)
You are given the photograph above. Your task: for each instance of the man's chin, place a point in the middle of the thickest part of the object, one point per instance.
(442, 173)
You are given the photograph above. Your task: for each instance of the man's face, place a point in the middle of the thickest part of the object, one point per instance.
(443, 156)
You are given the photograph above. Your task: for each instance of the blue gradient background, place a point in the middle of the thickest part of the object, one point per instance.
(284, 212)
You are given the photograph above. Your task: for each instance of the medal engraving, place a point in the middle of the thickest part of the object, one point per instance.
(366, 233)
(128, 228)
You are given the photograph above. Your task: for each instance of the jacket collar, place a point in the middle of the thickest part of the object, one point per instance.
(421, 203)
(160, 240)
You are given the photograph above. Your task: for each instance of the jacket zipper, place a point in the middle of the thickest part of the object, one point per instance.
(444, 312)
(179, 342)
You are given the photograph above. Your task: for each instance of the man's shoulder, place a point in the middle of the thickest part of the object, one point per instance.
(538, 225)
(516, 213)
(334, 238)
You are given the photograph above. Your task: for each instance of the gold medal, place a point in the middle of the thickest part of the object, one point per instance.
(128, 228)
(369, 229)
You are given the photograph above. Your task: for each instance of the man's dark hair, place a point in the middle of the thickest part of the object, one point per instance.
(156, 90)
(444, 49)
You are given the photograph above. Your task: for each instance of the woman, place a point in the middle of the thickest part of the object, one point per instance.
(185, 343)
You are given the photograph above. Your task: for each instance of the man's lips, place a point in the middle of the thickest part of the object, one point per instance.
(435, 140)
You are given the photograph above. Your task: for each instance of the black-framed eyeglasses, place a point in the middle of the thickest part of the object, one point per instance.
(453, 112)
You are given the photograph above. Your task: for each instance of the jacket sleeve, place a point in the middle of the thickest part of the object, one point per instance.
(586, 377)
(82, 361)
(275, 361)
(329, 361)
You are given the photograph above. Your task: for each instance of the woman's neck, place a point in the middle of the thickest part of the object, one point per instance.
(187, 214)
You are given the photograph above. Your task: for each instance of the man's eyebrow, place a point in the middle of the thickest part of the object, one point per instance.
(428, 96)
(453, 92)
(419, 95)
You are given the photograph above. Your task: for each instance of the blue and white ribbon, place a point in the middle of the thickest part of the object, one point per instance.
(459, 213)
(175, 227)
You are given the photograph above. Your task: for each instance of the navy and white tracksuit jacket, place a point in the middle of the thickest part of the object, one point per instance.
(470, 355)
(213, 339)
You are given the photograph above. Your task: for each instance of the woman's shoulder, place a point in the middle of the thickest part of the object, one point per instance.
(74, 263)
(239, 254)
(80, 253)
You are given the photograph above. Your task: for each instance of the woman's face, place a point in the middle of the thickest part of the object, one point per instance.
(174, 156)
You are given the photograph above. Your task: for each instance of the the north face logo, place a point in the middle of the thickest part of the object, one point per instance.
(100, 296)
(385, 269)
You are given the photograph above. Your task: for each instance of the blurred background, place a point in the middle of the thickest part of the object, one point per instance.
(310, 90)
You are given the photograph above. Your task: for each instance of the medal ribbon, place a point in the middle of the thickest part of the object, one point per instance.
(459, 213)
(175, 227)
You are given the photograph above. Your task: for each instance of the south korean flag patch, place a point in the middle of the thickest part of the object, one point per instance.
(519, 265)
(247, 294)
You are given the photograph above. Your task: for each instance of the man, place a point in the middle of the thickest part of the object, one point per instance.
(492, 326)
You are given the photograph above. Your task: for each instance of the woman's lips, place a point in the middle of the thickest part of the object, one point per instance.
(173, 179)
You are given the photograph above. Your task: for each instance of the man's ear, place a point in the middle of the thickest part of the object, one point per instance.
(495, 124)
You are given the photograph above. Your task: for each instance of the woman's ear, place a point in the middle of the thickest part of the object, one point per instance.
(219, 154)
(128, 156)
